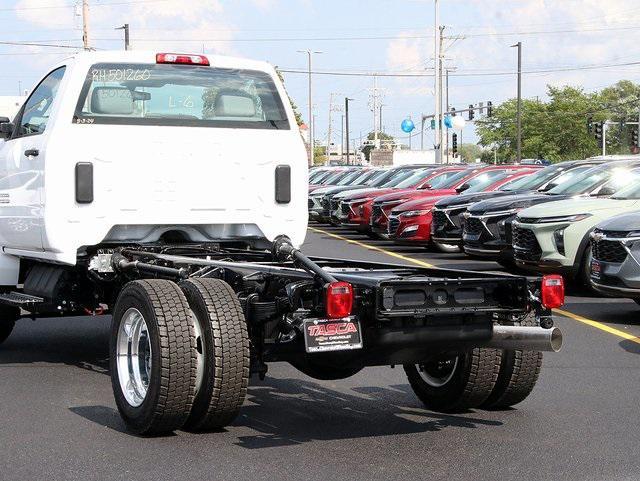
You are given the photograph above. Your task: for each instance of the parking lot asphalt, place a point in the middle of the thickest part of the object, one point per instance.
(59, 420)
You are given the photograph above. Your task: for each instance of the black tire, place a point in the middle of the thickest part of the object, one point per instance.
(225, 345)
(172, 377)
(8, 317)
(474, 377)
(584, 274)
(519, 371)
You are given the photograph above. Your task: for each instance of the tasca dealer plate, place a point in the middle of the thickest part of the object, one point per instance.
(321, 335)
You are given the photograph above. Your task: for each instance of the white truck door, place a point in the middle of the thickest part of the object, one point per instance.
(22, 157)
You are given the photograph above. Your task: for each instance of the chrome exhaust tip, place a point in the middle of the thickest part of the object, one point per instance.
(526, 338)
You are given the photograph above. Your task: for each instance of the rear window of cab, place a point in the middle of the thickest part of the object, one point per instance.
(180, 95)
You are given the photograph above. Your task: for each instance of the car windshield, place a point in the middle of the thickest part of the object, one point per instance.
(631, 191)
(399, 177)
(364, 177)
(483, 181)
(533, 181)
(179, 95)
(332, 179)
(567, 178)
(621, 183)
(414, 178)
(455, 179)
(350, 178)
(589, 180)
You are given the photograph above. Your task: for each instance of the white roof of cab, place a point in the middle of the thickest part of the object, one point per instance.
(146, 56)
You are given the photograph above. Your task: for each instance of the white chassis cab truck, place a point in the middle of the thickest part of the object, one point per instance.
(169, 191)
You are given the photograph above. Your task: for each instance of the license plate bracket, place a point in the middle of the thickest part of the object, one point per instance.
(324, 335)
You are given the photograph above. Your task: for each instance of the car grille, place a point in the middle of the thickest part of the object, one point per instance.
(310, 204)
(609, 251)
(439, 219)
(346, 208)
(473, 225)
(526, 245)
(394, 223)
(325, 204)
(334, 205)
(376, 211)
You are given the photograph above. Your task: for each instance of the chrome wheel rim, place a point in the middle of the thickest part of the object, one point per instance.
(439, 371)
(133, 352)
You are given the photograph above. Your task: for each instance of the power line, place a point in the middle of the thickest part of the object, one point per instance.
(73, 5)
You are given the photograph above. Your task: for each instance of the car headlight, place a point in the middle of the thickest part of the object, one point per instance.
(415, 213)
(555, 219)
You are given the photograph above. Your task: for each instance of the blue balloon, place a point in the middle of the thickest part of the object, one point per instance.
(448, 122)
(407, 126)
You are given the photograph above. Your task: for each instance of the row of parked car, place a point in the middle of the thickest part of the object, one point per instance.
(579, 218)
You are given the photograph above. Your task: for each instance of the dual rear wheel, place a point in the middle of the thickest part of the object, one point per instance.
(481, 377)
(179, 355)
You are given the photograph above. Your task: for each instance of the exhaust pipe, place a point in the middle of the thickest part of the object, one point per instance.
(527, 338)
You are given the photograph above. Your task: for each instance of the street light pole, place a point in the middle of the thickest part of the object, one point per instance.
(436, 60)
(519, 115)
(125, 27)
(85, 24)
(346, 126)
(311, 117)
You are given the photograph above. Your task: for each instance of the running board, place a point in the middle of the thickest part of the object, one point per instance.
(19, 299)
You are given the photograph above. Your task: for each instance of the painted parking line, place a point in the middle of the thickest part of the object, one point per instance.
(599, 325)
(570, 315)
(372, 248)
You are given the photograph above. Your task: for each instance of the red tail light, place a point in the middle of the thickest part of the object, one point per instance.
(182, 58)
(552, 291)
(339, 300)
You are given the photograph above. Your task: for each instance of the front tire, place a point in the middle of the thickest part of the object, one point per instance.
(455, 382)
(153, 356)
(8, 317)
(224, 347)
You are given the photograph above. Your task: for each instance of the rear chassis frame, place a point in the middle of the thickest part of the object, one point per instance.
(407, 313)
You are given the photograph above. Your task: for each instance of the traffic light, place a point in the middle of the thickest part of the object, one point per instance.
(590, 125)
(454, 143)
(433, 124)
(489, 108)
(471, 112)
(453, 111)
(634, 137)
(598, 128)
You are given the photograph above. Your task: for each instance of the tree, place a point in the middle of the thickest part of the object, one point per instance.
(298, 115)
(557, 129)
(470, 152)
(366, 150)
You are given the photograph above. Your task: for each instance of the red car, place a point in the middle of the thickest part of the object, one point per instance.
(330, 178)
(355, 208)
(410, 222)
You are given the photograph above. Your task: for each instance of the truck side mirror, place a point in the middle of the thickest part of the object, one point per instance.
(6, 128)
(462, 188)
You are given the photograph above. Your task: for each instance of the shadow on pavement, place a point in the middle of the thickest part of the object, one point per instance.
(630, 346)
(81, 342)
(295, 411)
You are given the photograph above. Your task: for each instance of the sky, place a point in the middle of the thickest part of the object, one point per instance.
(586, 43)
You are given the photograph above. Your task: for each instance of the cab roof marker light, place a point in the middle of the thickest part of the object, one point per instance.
(182, 59)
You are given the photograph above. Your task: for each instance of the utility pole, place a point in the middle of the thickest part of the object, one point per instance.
(346, 126)
(311, 116)
(342, 138)
(380, 118)
(446, 102)
(125, 27)
(422, 131)
(85, 24)
(604, 138)
(436, 60)
(440, 94)
(519, 115)
(332, 108)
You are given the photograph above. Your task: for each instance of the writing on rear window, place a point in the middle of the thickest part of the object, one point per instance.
(120, 74)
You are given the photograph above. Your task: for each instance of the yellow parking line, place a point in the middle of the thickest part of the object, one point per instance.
(575, 317)
(599, 325)
(372, 248)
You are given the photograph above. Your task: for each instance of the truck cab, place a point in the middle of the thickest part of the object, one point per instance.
(116, 147)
